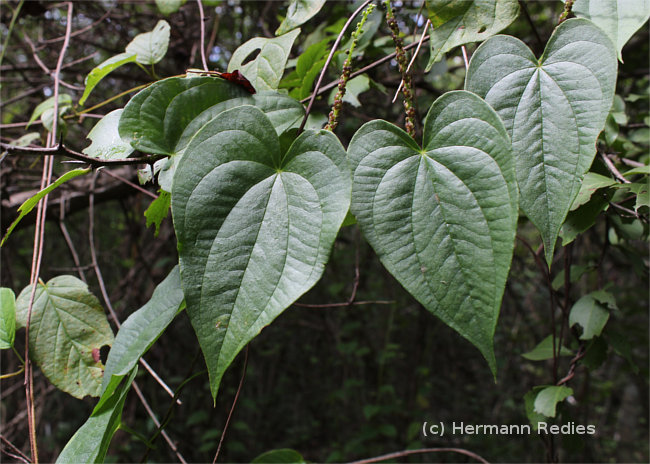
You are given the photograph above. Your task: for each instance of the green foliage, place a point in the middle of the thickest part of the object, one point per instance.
(150, 47)
(31, 202)
(548, 398)
(106, 140)
(65, 101)
(158, 210)
(68, 327)
(591, 313)
(544, 351)
(103, 69)
(279, 456)
(274, 217)
(554, 108)
(458, 22)
(620, 19)
(298, 13)
(7, 318)
(140, 331)
(266, 69)
(442, 219)
(90, 443)
(168, 7)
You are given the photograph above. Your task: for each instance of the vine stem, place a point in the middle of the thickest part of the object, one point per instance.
(39, 239)
(400, 454)
(232, 408)
(328, 61)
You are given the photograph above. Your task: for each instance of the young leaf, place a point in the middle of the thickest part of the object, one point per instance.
(548, 398)
(141, 330)
(150, 47)
(459, 22)
(158, 209)
(90, 443)
(298, 13)
(442, 219)
(529, 403)
(265, 71)
(620, 19)
(65, 100)
(106, 140)
(102, 70)
(255, 226)
(590, 314)
(29, 204)
(590, 184)
(544, 351)
(554, 108)
(7, 318)
(67, 325)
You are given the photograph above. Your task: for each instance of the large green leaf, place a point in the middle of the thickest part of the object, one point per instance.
(31, 202)
(299, 12)
(255, 225)
(457, 22)
(620, 19)
(442, 219)
(266, 69)
(106, 140)
(68, 327)
(103, 69)
(554, 108)
(165, 116)
(90, 443)
(7, 318)
(150, 47)
(142, 329)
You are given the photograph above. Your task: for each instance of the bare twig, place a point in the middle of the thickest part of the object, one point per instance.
(202, 44)
(129, 183)
(232, 408)
(612, 168)
(401, 454)
(328, 60)
(61, 150)
(465, 59)
(68, 241)
(21, 456)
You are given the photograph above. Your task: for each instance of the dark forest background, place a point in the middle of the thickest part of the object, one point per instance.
(335, 383)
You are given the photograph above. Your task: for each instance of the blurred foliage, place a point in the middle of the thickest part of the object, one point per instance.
(335, 383)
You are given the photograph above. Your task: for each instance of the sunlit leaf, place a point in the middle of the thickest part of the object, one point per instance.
(7, 318)
(106, 140)
(299, 12)
(151, 47)
(548, 398)
(102, 70)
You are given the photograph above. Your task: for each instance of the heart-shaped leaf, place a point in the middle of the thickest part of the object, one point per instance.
(442, 219)
(255, 225)
(165, 116)
(266, 69)
(620, 19)
(67, 325)
(554, 108)
(457, 22)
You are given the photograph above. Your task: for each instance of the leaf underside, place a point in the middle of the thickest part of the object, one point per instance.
(553, 108)
(442, 219)
(255, 226)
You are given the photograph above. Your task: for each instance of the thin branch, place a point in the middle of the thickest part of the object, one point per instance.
(465, 59)
(415, 54)
(80, 31)
(612, 168)
(538, 38)
(327, 62)
(129, 183)
(14, 449)
(10, 29)
(68, 241)
(202, 43)
(61, 150)
(232, 408)
(345, 303)
(401, 454)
